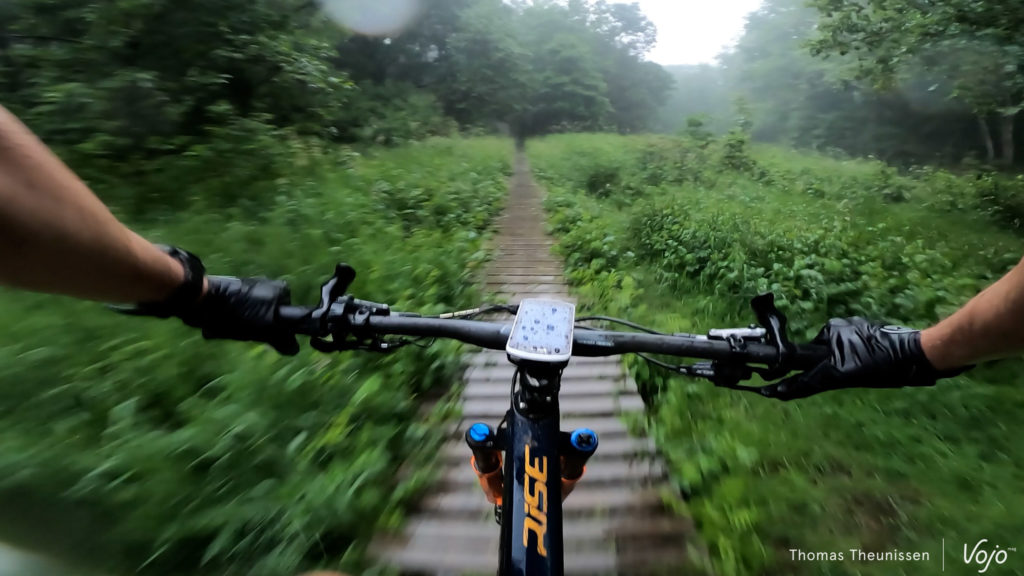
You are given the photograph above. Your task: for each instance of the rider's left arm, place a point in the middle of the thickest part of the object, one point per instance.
(57, 236)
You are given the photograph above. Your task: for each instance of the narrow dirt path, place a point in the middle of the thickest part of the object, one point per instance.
(615, 522)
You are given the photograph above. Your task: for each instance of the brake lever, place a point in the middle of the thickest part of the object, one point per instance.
(774, 322)
(344, 334)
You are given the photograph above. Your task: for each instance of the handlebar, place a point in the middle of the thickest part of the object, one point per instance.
(592, 343)
(353, 324)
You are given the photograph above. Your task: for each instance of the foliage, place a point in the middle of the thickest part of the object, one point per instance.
(700, 91)
(970, 49)
(144, 78)
(199, 457)
(137, 81)
(877, 470)
(823, 104)
(534, 67)
(393, 114)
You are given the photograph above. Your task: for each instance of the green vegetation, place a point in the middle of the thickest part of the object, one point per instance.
(679, 233)
(201, 457)
(270, 138)
(134, 81)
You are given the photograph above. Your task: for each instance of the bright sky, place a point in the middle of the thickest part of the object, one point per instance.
(695, 31)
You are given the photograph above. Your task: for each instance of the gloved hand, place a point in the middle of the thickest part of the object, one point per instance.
(232, 308)
(862, 355)
(243, 309)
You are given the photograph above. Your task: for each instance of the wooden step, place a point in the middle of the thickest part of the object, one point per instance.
(488, 408)
(608, 502)
(610, 447)
(574, 372)
(497, 389)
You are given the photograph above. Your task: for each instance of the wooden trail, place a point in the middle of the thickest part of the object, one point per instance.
(615, 522)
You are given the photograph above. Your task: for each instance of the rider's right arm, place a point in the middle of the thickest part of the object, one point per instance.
(987, 327)
(867, 355)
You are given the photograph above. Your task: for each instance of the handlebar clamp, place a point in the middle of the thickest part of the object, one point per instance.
(345, 336)
(773, 331)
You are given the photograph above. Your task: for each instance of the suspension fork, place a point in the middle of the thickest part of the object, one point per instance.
(535, 399)
(487, 446)
(539, 461)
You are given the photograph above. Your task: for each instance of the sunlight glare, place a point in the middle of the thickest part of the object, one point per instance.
(373, 17)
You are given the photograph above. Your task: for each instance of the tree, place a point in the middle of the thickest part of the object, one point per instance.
(700, 91)
(810, 102)
(970, 48)
(151, 76)
(489, 67)
(587, 67)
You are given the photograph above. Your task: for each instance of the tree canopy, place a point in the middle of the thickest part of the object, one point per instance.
(155, 76)
(905, 81)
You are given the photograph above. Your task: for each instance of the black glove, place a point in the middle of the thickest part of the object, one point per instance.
(243, 309)
(862, 355)
(232, 308)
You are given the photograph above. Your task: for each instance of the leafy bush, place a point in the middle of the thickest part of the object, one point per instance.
(735, 155)
(603, 181)
(393, 114)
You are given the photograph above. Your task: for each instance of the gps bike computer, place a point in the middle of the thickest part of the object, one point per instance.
(542, 331)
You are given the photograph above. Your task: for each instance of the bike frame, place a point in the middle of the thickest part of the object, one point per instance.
(531, 534)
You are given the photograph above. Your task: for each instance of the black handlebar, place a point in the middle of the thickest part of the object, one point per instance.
(494, 336)
(342, 322)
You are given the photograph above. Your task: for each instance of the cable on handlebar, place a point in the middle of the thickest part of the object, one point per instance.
(632, 325)
(475, 312)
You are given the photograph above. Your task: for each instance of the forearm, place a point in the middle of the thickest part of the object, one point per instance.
(987, 327)
(56, 235)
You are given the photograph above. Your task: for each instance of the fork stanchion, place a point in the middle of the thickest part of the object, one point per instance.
(486, 461)
(581, 446)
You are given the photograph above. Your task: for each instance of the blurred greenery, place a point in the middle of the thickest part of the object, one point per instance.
(207, 457)
(127, 81)
(678, 234)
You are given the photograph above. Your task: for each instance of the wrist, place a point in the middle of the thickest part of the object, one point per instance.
(937, 349)
(190, 287)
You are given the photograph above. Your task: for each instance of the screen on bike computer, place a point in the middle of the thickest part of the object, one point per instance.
(542, 331)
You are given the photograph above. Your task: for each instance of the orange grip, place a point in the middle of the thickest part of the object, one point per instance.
(492, 483)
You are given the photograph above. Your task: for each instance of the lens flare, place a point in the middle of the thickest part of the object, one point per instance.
(373, 17)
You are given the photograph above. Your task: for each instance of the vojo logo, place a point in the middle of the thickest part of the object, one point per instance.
(983, 555)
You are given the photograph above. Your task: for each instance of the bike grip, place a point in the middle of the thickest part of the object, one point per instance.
(807, 356)
(292, 313)
(297, 320)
